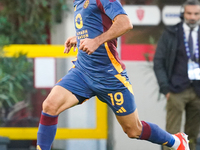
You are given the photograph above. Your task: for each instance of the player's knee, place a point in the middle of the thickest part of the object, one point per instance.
(133, 132)
(49, 107)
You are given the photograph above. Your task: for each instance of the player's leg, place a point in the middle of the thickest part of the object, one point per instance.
(135, 128)
(151, 132)
(119, 96)
(57, 101)
(123, 105)
(131, 124)
(69, 91)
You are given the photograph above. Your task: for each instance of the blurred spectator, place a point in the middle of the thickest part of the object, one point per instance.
(176, 65)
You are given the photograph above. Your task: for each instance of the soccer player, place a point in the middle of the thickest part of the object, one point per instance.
(98, 71)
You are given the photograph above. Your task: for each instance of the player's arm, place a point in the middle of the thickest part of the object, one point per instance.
(121, 24)
(69, 43)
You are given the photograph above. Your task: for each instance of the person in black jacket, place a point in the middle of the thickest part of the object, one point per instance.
(176, 66)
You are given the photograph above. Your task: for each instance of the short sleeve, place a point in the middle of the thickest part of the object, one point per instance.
(112, 8)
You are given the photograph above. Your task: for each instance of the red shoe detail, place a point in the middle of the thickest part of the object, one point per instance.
(184, 145)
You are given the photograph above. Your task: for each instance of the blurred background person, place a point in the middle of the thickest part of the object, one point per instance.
(176, 65)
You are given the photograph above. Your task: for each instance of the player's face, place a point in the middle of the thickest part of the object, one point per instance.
(192, 15)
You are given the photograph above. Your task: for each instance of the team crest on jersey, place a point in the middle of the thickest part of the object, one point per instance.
(86, 4)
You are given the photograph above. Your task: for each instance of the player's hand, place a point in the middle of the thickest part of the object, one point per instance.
(69, 43)
(88, 45)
